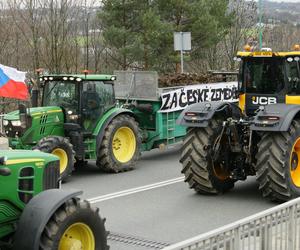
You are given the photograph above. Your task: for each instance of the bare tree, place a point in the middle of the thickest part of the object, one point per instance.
(244, 20)
(27, 18)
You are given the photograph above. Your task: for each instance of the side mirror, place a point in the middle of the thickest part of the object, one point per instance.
(34, 97)
(23, 115)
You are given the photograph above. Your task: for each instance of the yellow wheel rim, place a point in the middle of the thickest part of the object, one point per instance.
(63, 158)
(78, 236)
(124, 144)
(295, 163)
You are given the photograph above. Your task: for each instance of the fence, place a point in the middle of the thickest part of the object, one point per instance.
(273, 229)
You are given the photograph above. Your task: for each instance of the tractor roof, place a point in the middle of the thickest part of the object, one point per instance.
(87, 77)
(267, 54)
(19, 156)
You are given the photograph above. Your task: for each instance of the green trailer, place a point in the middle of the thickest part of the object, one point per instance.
(139, 92)
(81, 119)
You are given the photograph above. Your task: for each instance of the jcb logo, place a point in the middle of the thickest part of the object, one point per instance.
(262, 100)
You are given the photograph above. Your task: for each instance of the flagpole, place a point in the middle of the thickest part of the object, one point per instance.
(260, 24)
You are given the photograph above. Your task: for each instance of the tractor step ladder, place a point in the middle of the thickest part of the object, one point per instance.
(171, 122)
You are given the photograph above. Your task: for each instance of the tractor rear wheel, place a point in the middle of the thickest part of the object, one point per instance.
(202, 173)
(120, 147)
(278, 164)
(75, 225)
(62, 148)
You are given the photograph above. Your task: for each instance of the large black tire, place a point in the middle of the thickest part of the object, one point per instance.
(109, 158)
(74, 220)
(274, 164)
(62, 148)
(198, 167)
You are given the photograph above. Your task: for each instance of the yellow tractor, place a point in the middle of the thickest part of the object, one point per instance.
(260, 135)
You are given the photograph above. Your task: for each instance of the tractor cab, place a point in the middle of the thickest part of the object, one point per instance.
(83, 98)
(267, 77)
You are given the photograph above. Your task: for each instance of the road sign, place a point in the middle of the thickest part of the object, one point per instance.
(182, 42)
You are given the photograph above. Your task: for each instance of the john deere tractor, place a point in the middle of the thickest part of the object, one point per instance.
(35, 215)
(226, 142)
(78, 120)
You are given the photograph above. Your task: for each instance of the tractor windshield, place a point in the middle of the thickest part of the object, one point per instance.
(263, 75)
(61, 93)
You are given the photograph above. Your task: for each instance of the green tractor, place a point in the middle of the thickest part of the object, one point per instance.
(226, 142)
(35, 215)
(77, 121)
(80, 119)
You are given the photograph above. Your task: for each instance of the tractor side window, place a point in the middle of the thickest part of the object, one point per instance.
(106, 93)
(97, 97)
(293, 78)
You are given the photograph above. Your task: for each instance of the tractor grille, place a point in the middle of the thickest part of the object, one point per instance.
(51, 175)
(26, 181)
(43, 119)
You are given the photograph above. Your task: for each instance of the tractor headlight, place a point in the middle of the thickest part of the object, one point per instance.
(16, 123)
(5, 122)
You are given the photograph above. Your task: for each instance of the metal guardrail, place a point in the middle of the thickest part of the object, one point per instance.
(273, 229)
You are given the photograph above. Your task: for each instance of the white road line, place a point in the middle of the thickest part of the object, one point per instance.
(134, 190)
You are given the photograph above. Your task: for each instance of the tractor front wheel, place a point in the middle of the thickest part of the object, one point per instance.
(120, 147)
(278, 164)
(203, 173)
(75, 225)
(63, 149)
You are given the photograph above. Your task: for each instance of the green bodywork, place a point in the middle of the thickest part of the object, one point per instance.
(45, 121)
(158, 129)
(11, 191)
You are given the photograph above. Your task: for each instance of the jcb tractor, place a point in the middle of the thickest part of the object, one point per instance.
(78, 120)
(226, 142)
(35, 215)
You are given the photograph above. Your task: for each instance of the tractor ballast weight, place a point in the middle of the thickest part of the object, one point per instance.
(35, 215)
(259, 136)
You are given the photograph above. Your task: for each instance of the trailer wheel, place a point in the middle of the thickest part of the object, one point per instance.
(202, 173)
(62, 148)
(75, 225)
(120, 147)
(278, 164)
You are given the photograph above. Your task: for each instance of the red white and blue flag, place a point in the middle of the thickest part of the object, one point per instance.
(12, 83)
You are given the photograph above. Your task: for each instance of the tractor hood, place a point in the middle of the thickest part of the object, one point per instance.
(38, 123)
(33, 112)
(20, 156)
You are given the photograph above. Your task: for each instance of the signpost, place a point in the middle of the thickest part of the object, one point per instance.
(182, 42)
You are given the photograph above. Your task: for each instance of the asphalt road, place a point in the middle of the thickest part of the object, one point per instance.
(151, 207)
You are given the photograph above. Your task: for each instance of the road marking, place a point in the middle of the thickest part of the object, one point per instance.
(135, 190)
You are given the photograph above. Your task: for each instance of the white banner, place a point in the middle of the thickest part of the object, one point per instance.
(180, 98)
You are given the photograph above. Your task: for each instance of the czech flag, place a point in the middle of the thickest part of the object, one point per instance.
(12, 83)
